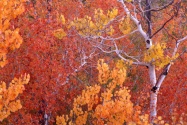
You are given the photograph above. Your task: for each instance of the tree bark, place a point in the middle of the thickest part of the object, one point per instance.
(153, 97)
(148, 16)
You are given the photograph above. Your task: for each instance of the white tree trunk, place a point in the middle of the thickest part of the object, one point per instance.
(153, 106)
(153, 97)
(152, 74)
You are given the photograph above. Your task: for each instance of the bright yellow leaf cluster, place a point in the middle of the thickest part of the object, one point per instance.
(125, 26)
(117, 75)
(8, 101)
(61, 19)
(160, 121)
(101, 19)
(60, 120)
(116, 110)
(59, 33)
(3, 60)
(10, 9)
(128, 0)
(107, 103)
(88, 97)
(9, 39)
(156, 55)
(178, 119)
(104, 72)
(88, 26)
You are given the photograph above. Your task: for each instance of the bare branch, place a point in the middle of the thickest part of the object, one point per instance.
(148, 17)
(177, 45)
(161, 8)
(105, 50)
(135, 20)
(167, 68)
(162, 26)
(120, 37)
(118, 52)
(131, 57)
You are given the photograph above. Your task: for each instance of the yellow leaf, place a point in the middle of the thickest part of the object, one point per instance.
(124, 25)
(3, 60)
(62, 19)
(6, 24)
(59, 33)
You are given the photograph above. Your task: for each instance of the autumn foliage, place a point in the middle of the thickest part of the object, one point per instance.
(58, 43)
(8, 95)
(10, 38)
(105, 103)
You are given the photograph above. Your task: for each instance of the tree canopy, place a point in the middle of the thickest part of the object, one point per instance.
(93, 62)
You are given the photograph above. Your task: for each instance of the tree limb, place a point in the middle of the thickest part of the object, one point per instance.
(167, 68)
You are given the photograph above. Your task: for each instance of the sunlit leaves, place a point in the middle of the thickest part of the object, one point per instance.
(110, 31)
(8, 95)
(60, 120)
(112, 13)
(84, 26)
(10, 39)
(102, 104)
(62, 19)
(124, 25)
(10, 9)
(3, 60)
(128, 0)
(103, 69)
(102, 19)
(60, 33)
(156, 55)
(92, 26)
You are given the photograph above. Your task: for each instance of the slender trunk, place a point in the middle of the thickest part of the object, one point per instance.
(46, 118)
(152, 73)
(148, 17)
(153, 105)
(153, 97)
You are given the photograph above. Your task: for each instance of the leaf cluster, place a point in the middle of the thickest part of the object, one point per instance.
(156, 55)
(105, 103)
(8, 101)
(9, 39)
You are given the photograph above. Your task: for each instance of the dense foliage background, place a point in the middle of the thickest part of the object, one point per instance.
(59, 42)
